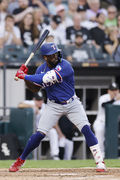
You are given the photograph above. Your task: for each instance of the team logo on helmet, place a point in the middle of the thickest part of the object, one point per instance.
(58, 68)
(53, 46)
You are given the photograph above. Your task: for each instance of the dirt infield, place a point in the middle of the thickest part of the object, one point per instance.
(60, 174)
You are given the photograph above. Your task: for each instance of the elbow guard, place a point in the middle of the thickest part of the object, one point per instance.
(50, 77)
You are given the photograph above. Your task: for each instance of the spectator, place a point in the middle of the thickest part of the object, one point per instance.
(3, 10)
(19, 13)
(61, 11)
(99, 29)
(53, 6)
(9, 33)
(38, 19)
(39, 4)
(112, 97)
(82, 5)
(72, 8)
(80, 51)
(29, 31)
(56, 29)
(37, 104)
(13, 4)
(111, 42)
(117, 4)
(118, 25)
(111, 21)
(116, 54)
(61, 139)
(81, 9)
(76, 27)
(50, 38)
(94, 6)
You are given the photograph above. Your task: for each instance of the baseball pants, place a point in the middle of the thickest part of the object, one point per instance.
(53, 111)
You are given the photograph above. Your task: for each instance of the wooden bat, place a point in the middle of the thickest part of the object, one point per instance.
(37, 46)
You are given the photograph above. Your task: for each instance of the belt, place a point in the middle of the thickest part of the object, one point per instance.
(64, 102)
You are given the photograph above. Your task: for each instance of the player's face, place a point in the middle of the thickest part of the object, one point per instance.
(39, 103)
(113, 93)
(52, 60)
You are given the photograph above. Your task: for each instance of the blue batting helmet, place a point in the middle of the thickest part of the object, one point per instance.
(48, 49)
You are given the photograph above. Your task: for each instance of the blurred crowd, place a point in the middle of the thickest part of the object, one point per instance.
(83, 29)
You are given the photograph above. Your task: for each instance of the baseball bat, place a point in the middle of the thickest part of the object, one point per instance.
(37, 46)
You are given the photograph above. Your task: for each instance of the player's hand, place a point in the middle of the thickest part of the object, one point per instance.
(24, 68)
(20, 74)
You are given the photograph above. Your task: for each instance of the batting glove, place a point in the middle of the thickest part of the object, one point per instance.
(24, 68)
(20, 74)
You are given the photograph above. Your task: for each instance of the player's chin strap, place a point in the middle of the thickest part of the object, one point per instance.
(59, 55)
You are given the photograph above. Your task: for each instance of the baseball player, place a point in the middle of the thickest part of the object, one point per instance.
(56, 75)
(38, 105)
(112, 97)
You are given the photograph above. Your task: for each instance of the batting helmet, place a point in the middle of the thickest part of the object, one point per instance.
(48, 49)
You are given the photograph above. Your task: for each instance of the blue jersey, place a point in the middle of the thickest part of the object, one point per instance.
(61, 90)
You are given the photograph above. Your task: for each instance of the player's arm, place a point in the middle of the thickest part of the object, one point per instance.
(50, 77)
(22, 72)
(43, 79)
(32, 86)
(24, 105)
(108, 102)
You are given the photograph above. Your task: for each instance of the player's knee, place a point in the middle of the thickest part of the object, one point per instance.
(86, 129)
(42, 135)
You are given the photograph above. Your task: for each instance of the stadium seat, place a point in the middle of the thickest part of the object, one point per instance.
(13, 53)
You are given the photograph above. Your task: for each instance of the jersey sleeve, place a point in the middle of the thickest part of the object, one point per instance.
(63, 71)
(51, 77)
(36, 78)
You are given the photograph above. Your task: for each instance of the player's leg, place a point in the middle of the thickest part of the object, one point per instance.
(32, 143)
(54, 145)
(68, 149)
(92, 143)
(99, 128)
(78, 116)
(48, 119)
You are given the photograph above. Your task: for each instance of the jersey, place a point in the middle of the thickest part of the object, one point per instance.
(101, 110)
(63, 89)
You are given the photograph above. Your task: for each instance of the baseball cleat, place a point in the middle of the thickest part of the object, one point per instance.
(101, 167)
(17, 165)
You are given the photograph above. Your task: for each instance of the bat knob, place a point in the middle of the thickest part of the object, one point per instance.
(16, 78)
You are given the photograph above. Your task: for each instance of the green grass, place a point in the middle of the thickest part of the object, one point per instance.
(60, 164)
